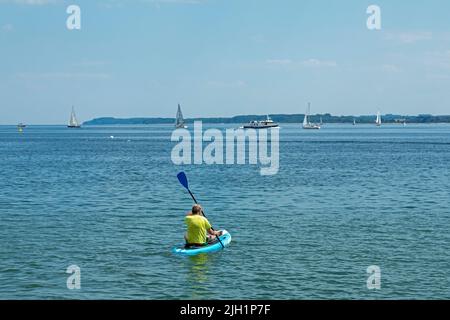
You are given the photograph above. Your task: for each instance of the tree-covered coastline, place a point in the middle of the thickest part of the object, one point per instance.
(281, 118)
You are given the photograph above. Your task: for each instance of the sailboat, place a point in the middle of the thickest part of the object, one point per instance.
(179, 121)
(354, 122)
(306, 123)
(73, 122)
(378, 121)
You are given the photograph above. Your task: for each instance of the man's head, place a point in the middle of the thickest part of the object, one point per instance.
(196, 209)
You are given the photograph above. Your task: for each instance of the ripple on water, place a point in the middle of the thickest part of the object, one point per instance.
(344, 199)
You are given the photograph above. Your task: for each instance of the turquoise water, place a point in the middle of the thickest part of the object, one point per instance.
(346, 197)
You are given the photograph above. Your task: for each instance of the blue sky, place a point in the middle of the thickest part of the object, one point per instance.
(221, 58)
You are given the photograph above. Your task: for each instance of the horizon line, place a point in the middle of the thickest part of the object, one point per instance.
(231, 117)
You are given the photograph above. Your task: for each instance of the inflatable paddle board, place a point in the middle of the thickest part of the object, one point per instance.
(212, 247)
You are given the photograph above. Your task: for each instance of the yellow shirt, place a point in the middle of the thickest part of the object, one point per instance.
(197, 227)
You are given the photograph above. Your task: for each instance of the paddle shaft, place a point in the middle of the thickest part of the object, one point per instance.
(195, 200)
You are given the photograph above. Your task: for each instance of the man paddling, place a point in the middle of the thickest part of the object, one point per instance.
(199, 230)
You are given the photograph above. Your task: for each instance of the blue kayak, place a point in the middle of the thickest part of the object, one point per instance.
(213, 247)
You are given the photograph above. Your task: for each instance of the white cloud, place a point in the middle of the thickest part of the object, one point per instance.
(440, 60)
(390, 68)
(111, 4)
(7, 27)
(30, 2)
(62, 75)
(438, 76)
(175, 1)
(316, 63)
(409, 37)
(105, 4)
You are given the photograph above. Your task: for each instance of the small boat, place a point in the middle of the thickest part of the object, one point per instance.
(264, 124)
(21, 126)
(306, 123)
(73, 122)
(378, 121)
(179, 121)
(215, 246)
(401, 121)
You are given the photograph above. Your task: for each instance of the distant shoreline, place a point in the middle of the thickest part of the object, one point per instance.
(281, 118)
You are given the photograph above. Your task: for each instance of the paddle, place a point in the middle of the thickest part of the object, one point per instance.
(184, 182)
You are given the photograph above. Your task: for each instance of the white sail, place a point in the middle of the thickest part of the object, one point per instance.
(73, 122)
(305, 120)
(378, 121)
(179, 121)
(306, 123)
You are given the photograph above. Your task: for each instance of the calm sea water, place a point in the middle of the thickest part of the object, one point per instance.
(345, 198)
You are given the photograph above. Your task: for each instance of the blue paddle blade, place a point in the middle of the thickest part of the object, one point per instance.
(183, 179)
